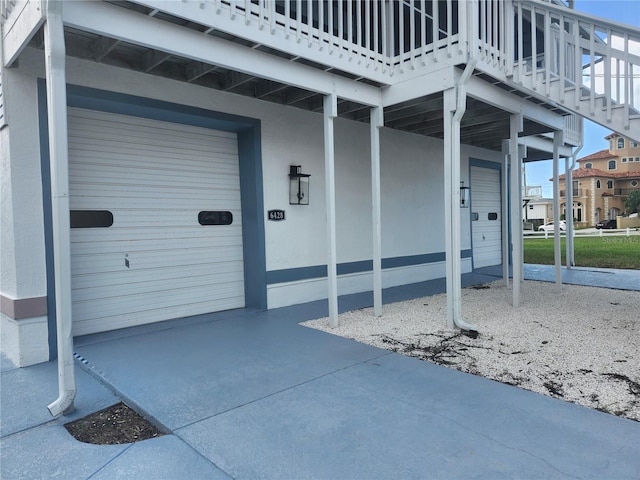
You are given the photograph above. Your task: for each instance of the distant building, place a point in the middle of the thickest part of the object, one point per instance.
(604, 180)
(537, 210)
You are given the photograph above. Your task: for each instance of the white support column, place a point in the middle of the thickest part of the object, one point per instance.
(522, 154)
(568, 175)
(377, 121)
(505, 211)
(330, 113)
(516, 206)
(59, 165)
(557, 141)
(452, 209)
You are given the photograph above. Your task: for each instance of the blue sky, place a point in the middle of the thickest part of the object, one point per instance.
(624, 11)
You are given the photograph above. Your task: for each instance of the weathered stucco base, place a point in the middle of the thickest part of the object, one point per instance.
(25, 341)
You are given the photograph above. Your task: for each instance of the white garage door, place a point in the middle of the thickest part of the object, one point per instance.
(156, 261)
(487, 229)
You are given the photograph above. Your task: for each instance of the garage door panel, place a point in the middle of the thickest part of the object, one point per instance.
(193, 197)
(102, 151)
(120, 156)
(188, 172)
(485, 200)
(156, 261)
(99, 126)
(159, 314)
(150, 260)
(85, 292)
(99, 122)
(132, 304)
(187, 219)
(168, 274)
(122, 241)
(175, 179)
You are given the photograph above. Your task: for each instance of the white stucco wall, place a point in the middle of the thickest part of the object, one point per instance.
(22, 250)
(412, 180)
(22, 238)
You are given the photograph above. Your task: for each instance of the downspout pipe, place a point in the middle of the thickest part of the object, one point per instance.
(461, 107)
(59, 165)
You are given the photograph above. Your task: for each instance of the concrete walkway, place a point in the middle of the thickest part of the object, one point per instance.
(251, 394)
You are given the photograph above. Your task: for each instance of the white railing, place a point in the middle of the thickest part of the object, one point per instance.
(586, 63)
(362, 37)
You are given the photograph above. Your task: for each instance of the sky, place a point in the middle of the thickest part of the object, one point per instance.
(623, 11)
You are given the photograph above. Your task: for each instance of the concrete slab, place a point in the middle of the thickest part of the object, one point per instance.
(252, 394)
(617, 279)
(396, 417)
(26, 392)
(182, 375)
(49, 451)
(572, 439)
(160, 458)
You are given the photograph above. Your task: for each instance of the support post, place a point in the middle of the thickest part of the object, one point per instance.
(59, 165)
(505, 211)
(557, 141)
(330, 111)
(377, 121)
(515, 128)
(452, 209)
(568, 175)
(522, 154)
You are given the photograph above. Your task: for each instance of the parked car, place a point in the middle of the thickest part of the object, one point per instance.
(550, 227)
(610, 224)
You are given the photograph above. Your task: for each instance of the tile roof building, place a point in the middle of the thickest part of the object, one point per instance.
(603, 181)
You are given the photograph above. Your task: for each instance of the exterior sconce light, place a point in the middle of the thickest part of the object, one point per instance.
(298, 186)
(464, 196)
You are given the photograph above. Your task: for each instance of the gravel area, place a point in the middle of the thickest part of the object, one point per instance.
(582, 346)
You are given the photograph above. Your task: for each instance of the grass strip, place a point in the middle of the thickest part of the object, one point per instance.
(600, 252)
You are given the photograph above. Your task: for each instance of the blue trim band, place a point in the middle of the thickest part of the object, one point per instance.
(43, 126)
(320, 271)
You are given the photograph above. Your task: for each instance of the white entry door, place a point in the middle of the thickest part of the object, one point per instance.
(156, 221)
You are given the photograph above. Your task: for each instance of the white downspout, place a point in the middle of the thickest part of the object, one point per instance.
(59, 165)
(461, 107)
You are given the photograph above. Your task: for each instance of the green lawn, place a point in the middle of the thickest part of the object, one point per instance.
(602, 252)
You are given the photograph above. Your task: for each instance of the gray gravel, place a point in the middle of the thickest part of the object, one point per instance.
(581, 346)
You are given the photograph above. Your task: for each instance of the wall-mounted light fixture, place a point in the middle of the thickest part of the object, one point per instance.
(298, 186)
(464, 195)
